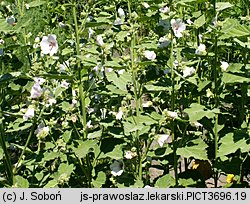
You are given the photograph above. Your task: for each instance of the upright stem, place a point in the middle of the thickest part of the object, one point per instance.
(216, 136)
(136, 93)
(172, 109)
(81, 85)
(83, 93)
(28, 140)
(7, 160)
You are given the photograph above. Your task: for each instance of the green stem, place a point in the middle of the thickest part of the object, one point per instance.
(216, 135)
(136, 93)
(81, 85)
(172, 109)
(3, 145)
(19, 5)
(82, 93)
(28, 140)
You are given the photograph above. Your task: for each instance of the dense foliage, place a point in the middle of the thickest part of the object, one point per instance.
(124, 93)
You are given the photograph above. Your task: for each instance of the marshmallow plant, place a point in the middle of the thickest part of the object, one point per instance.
(124, 93)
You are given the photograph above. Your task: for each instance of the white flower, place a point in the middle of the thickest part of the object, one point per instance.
(89, 126)
(63, 67)
(171, 114)
(121, 13)
(224, 66)
(145, 5)
(29, 113)
(99, 40)
(27, 6)
(196, 124)
(201, 50)
(147, 186)
(61, 25)
(200, 37)
(119, 114)
(1, 41)
(161, 139)
(209, 93)
(117, 168)
(150, 55)
(65, 84)
(189, 22)
(91, 32)
(42, 131)
(74, 101)
(90, 18)
(52, 101)
(163, 42)
(121, 71)
(178, 27)
(39, 80)
(164, 9)
(215, 22)
(118, 21)
(108, 70)
(188, 71)
(36, 91)
(147, 104)
(49, 45)
(11, 20)
(128, 155)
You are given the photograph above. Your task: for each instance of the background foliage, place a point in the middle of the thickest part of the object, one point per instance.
(105, 102)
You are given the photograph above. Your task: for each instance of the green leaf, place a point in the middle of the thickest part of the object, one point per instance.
(220, 6)
(232, 28)
(151, 87)
(63, 173)
(36, 3)
(165, 181)
(113, 64)
(5, 27)
(66, 51)
(235, 68)
(120, 81)
(24, 127)
(51, 184)
(67, 135)
(50, 156)
(202, 85)
(193, 148)
(117, 152)
(100, 180)
(233, 141)
(197, 112)
(66, 106)
(228, 78)
(95, 134)
(20, 182)
(137, 184)
(200, 21)
(86, 147)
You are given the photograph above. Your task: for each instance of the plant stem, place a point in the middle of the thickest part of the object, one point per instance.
(82, 92)
(136, 93)
(7, 160)
(28, 140)
(80, 86)
(216, 136)
(19, 5)
(171, 60)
